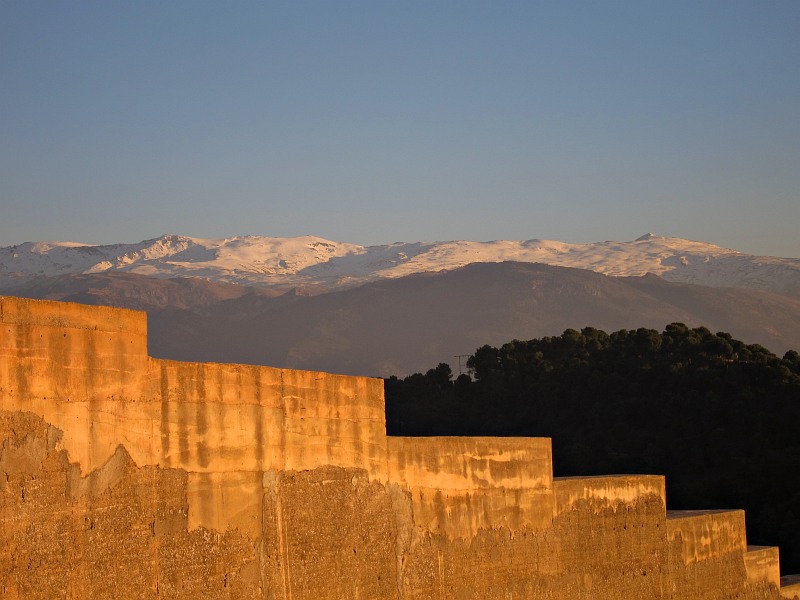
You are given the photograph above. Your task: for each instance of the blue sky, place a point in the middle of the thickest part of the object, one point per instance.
(374, 122)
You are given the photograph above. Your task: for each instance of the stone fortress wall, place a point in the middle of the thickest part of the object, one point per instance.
(125, 476)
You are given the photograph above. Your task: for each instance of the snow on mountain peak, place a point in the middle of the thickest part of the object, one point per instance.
(314, 262)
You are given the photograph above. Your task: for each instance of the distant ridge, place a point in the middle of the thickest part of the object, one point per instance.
(316, 265)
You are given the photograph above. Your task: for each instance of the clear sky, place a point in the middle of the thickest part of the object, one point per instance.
(372, 122)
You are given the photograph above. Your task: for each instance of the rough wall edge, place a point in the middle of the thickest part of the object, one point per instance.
(28, 311)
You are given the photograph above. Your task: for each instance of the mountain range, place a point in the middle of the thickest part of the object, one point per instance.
(316, 265)
(399, 308)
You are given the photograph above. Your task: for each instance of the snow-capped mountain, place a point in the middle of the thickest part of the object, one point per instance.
(315, 263)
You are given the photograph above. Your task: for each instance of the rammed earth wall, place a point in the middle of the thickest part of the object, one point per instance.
(124, 476)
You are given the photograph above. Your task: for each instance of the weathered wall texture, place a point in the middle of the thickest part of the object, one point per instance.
(123, 476)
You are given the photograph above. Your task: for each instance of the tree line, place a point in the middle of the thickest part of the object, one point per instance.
(718, 417)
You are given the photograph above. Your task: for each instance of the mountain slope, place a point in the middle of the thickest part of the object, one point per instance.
(316, 265)
(411, 323)
(406, 324)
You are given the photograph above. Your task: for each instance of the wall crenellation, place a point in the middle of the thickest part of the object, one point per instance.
(125, 476)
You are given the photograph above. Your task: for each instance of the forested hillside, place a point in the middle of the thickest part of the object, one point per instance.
(719, 418)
